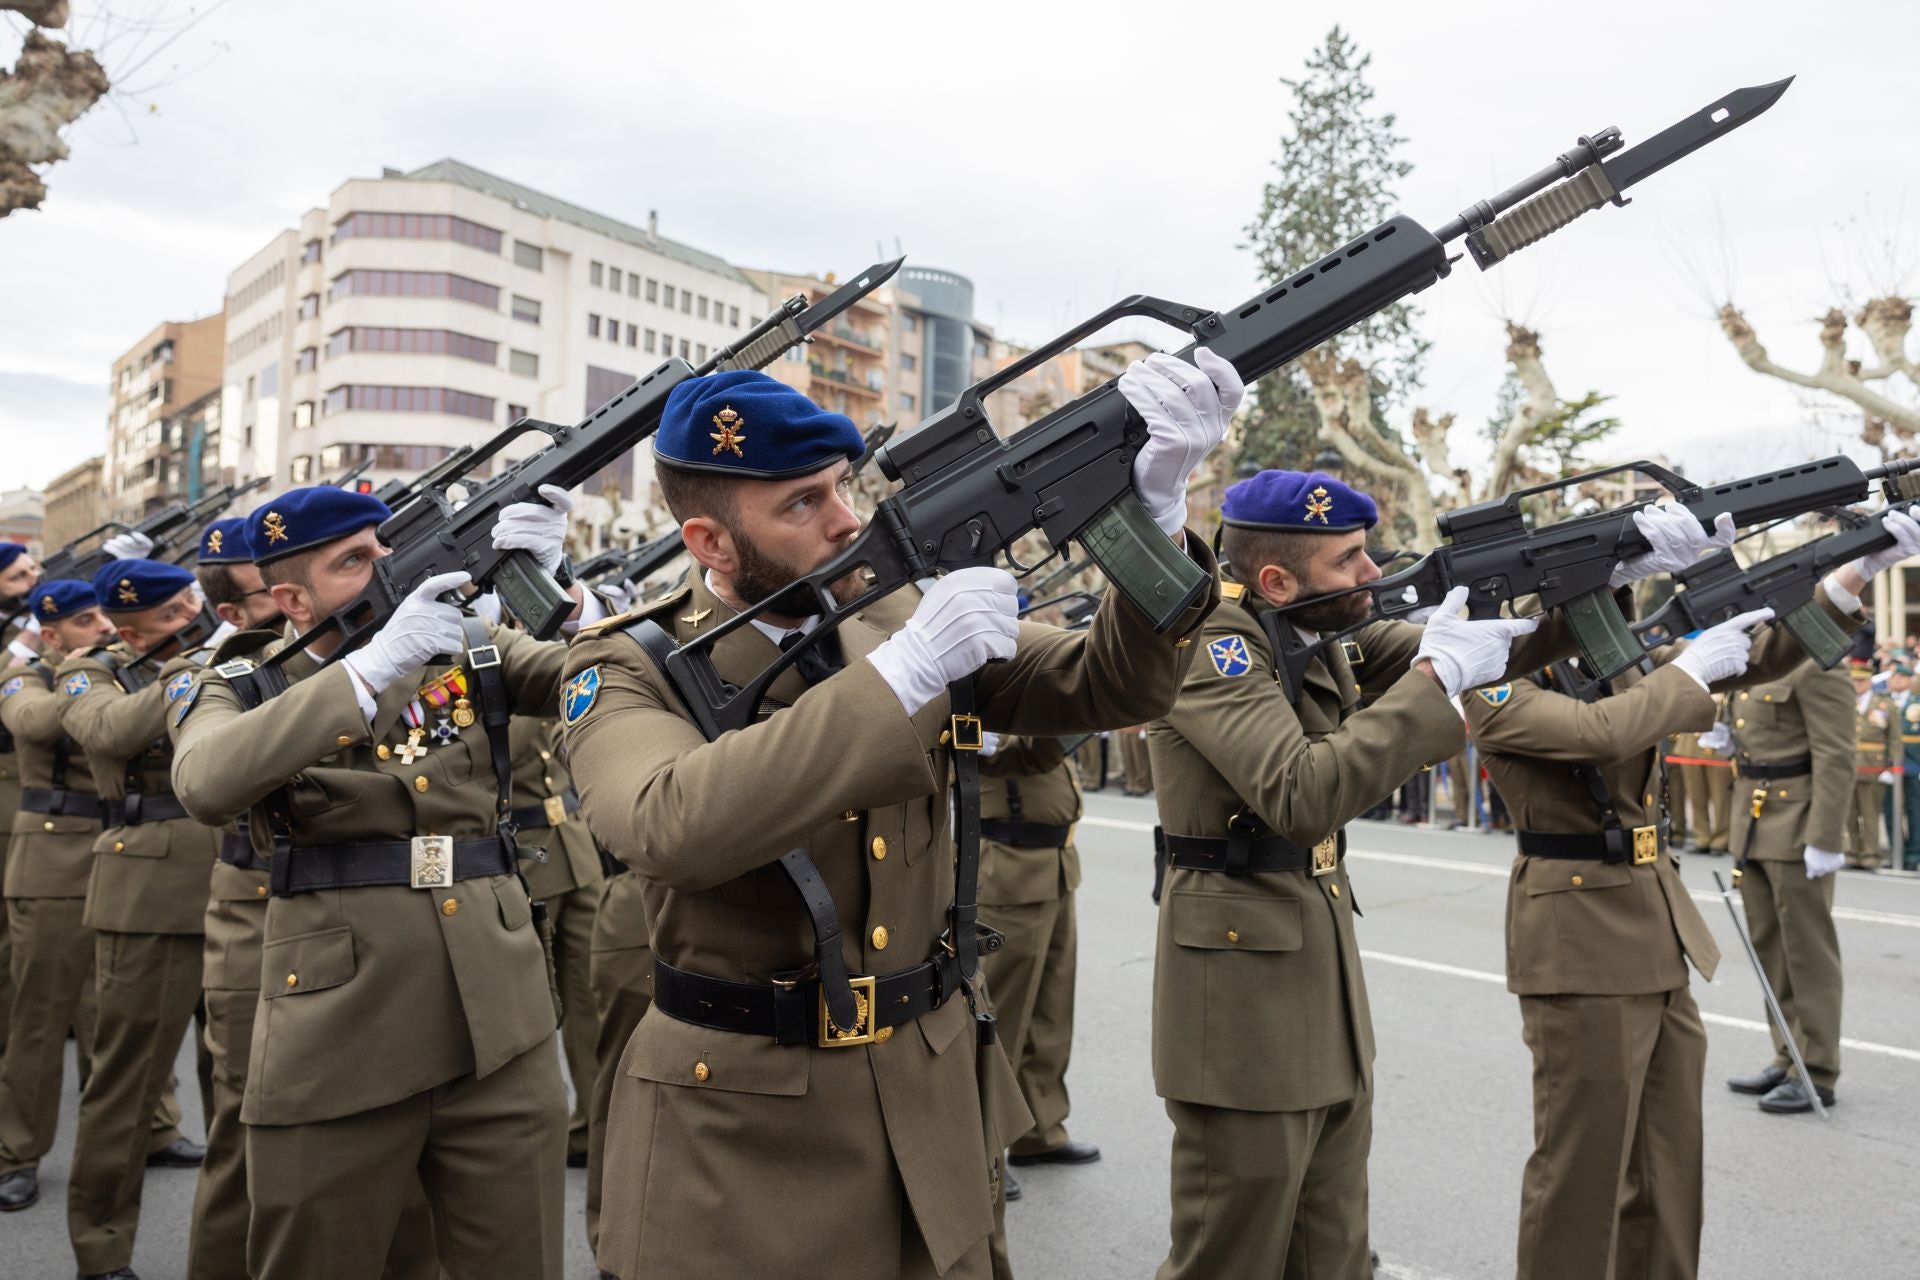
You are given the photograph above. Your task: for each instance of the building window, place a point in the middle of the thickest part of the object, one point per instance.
(703, 306)
(907, 363)
(666, 344)
(653, 291)
(524, 363)
(908, 321)
(526, 309)
(700, 352)
(667, 301)
(426, 342)
(733, 317)
(596, 274)
(633, 284)
(416, 284)
(418, 226)
(409, 400)
(303, 415)
(686, 303)
(906, 403)
(647, 345)
(633, 336)
(530, 256)
(613, 279)
(686, 349)
(392, 457)
(302, 472)
(613, 329)
(310, 252)
(269, 380)
(309, 307)
(593, 325)
(515, 412)
(307, 361)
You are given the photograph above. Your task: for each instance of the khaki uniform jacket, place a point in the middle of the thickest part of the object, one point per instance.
(48, 856)
(1050, 794)
(150, 877)
(839, 769)
(1259, 1000)
(374, 994)
(1876, 736)
(540, 773)
(1808, 712)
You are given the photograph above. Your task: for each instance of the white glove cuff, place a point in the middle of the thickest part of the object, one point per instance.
(908, 667)
(1173, 517)
(1447, 669)
(1843, 599)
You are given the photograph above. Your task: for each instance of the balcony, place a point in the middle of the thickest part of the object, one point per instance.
(840, 378)
(846, 335)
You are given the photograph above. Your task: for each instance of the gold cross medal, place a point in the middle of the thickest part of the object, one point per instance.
(432, 862)
(412, 750)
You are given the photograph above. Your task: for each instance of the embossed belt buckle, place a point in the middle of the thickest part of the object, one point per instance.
(966, 733)
(556, 807)
(831, 1036)
(1326, 855)
(432, 862)
(1646, 845)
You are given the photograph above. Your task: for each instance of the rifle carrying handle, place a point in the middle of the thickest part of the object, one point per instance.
(1160, 579)
(1607, 645)
(531, 594)
(1817, 633)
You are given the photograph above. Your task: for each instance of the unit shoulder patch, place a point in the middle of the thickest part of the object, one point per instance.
(577, 695)
(76, 684)
(12, 686)
(185, 705)
(178, 686)
(1229, 656)
(1497, 695)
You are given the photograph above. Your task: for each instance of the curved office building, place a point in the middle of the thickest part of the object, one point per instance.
(946, 302)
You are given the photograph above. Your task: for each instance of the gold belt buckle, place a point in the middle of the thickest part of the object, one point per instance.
(1646, 845)
(966, 733)
(831, 1036)
(1326, 855)
(432, 866)
(556, 807)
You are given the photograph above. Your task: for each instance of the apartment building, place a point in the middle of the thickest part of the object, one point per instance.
(76, 503)
(161, 377)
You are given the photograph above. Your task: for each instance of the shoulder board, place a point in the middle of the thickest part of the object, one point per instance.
(1230, 590)
(672, 600)
(235, 667)
(243, 642)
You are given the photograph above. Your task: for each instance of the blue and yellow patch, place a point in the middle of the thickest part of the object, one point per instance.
(1230, 656)
(576, 697)
(179, 685)
(1496, 696)
(12, 686)
(185, 704)
(77, 684)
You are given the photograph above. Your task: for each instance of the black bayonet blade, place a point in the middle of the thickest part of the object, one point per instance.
(1696, 131)
(818, 315)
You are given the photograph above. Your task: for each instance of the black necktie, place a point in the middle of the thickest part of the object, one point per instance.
(817, 663)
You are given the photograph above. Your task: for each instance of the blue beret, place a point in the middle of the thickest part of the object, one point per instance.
(1298, 502)
(301, 519)
(128, 586)
(62, 598)
(744, 423)
(225, 542)
(11, 551)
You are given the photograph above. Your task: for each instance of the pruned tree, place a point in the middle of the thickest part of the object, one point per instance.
(1891, 413)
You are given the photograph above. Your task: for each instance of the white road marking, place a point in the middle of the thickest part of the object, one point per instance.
(1859, 915)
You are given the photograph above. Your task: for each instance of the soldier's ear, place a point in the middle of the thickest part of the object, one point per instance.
(711, 543)
(1277, 584)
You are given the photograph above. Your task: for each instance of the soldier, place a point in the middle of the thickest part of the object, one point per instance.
(1907, 710)
(1599, 932)
(1029, 869)
(1138, 768)
(561, 866)
(18, 570)
(146, 899)
(738, 1090)
(51, 853)
(1709, 787)
(406, 1013)
(1262, 1039)
(1877, 748)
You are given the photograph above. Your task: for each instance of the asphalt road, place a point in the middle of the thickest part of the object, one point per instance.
(1786, 1196)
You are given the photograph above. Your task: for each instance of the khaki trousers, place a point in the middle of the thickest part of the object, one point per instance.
(1791, 920)
(571, 915)
(1031, 978)
(146, 985)
(1613, 1187)
(1679, 793)
(1709, 792)
(1863, 823)
(53, 990)
(1264, 1194)
(622, 980)
(1134, 760)
(330, 1198)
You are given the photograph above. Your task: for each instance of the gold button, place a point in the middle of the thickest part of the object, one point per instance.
(260, 891)
(879, 937)
(1744, 695)
(382, 751)
(344, 740)
(48, 824)
(1649, 799)
(1233, 935)
(546, 755)
(293, 979)
(1739, 724)
(420, 783)
(119, 846)
(945, 736)
(1578, 881)
(547, 779)
(879, 846)
(1767, 698)
(1334, 889)
(1783, 793)
(450, 906)
(700, 1072)
(1183, 643)
(883, 1035)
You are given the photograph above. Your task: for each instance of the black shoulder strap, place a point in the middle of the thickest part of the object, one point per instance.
(496, 714)
(1013, 799)
(1558, 679)
(964, 741)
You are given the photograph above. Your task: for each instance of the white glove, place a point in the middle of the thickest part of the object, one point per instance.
(965, 620)
(128, 546)
(536, 527)
(1186, 408)
(989, 744)
(1821, 863)
(1466, 655)
(422, 627)
(1885, 778)
(1718, 738)
(1906, 542)
(1678, 541)
(487, 607)
(1720, 652)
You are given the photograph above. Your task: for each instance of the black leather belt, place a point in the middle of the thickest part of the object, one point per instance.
(541, 815)
(1638, 845)
(1240, 855)
(358, 866)
(1777, 769)
(61, 803)
(236, 850)
(1033, 835)
(135, 810)
(792, 1011)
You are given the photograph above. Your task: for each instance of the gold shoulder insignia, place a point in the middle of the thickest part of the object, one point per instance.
(1230, 590)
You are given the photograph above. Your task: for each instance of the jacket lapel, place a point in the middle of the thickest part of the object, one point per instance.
(742, 655)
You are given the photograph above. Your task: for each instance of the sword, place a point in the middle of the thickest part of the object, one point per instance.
(1773, 1003)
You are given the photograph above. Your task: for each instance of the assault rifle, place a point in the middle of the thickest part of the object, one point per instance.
(353, 473)
(967, 495)
(431, 535)
(171, 527)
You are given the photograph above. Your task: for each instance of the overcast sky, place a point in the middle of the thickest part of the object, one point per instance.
(1060, 155)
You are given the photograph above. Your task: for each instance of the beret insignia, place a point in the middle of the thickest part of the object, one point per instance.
(1229, 656)
(49, 606)
(127, 595)
(1318, 504)
(1496, 696)
(214, 539)
(729, 435)
(275, 526)
(576, 698)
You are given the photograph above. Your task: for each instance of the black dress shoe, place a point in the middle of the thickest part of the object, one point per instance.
(1065, 1153)
(1790, 1096)
(18, 1189)
(118, 1273)
(576, 1159)
(181, 1153)
(1764, 1080)
(1009, 1185)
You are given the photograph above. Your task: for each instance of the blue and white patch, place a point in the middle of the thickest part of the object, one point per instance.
(12, 686)
(77, 683)
(1230, 656)
(1496, 696)
(186, 704)
(576, 698)
(178, 686)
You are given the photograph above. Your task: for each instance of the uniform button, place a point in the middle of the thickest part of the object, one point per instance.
(382, 751)
(1334, 889)
(946, 736)
(1739, 724)
(293, 979)
(547, 779)
(1783, 793)
(1183, 643)
(546, 755)
(119, 846)
(1578, 881)
(879, 846)
(1233, 935)
(420, 783)
(700, 1072)
(1744, 695)
(260, 891)
(48, 824)
(1649, 799)
(450, 907)
(883, 1035)
(344, 740)
(1767, 698)
(879, 937)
